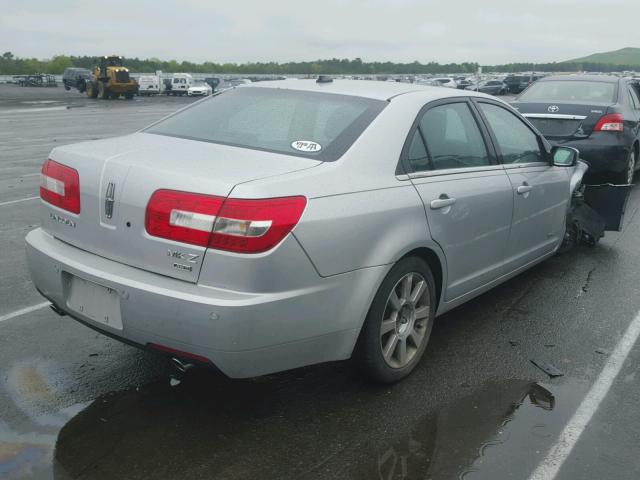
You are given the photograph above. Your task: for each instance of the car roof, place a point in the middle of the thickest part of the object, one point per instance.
(373, 89)
(583, 78)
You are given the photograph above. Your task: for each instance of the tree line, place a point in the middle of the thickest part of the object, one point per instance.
(12, 65)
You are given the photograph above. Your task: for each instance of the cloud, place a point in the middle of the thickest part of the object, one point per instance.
(492, 31)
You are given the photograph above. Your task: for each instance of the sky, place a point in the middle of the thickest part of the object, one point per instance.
(485, 31)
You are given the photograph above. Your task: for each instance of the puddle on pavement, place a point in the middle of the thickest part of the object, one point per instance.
(297, 425)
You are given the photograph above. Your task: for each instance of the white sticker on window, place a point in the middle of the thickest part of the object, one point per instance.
(306, 146)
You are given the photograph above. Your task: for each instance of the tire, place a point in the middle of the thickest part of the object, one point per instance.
(67, 87)
(128, 96)
(397, 329)
(92, 89)
(571, 238)
(103, 91)
(626, 176)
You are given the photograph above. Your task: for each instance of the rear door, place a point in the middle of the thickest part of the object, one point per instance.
(466, 194)
(540, 190)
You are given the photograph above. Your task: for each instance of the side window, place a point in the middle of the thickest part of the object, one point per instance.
(176, 80)
(635, 101)
(453, 137)
(517, 142)
(417, 155)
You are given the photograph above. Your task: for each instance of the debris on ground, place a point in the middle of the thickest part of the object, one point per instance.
(547, 368)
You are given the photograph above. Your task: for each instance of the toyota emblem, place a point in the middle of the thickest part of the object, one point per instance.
(554, 109)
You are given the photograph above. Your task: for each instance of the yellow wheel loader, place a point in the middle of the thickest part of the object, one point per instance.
(110, 79)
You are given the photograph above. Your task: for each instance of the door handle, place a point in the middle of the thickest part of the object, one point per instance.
(524, 188)
(442, 202)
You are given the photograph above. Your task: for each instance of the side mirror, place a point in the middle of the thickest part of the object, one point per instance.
(564, 156)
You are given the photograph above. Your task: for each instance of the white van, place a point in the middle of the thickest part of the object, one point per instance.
(148, 84)
(180, 84)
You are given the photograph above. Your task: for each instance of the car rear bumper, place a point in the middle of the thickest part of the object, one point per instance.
(243, 334)
(602, 154)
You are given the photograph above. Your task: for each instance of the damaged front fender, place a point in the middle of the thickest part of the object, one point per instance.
(577, 175)
(594, 209)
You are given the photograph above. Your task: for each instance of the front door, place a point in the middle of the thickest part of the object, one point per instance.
(540, 190)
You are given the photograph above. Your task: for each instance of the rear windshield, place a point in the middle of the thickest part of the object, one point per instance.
(308, 124)
(570, 91)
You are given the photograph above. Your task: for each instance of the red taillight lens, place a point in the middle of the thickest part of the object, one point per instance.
(60, 186)
(182, 216)
(254, 226)
(613, 122)
(236, 225)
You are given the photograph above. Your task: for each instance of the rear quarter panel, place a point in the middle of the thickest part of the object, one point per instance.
(359, 213)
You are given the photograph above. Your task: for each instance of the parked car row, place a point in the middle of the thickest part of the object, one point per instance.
(178, 84)
(492, 86)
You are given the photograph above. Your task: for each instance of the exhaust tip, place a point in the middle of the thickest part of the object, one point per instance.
(181, 366)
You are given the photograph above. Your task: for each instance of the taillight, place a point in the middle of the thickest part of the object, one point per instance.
(60, 186)
(614, 122)
(253, 226)
(236, 225)
(182, 216)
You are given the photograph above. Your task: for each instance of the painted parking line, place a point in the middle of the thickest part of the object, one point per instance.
(18, 201)
(548, 469)
(23, 311)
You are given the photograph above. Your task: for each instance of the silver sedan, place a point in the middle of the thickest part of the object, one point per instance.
(290, 223)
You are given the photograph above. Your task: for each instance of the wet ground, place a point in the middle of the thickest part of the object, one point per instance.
(75, 404)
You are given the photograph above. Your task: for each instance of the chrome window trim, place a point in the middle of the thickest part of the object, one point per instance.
(556, 116)
(454, 171)
(510, 166)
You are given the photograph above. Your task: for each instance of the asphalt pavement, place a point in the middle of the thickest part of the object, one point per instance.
(75, 404)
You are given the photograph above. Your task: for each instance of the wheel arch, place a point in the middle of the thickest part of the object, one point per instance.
(435, 264)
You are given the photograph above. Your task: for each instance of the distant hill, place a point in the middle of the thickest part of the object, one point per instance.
(624, 56)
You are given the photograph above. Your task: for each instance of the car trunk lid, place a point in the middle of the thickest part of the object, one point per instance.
(118, 177)
(563, 120)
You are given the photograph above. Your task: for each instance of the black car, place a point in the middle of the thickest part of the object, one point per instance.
(527, 80)
(76, 78)
(213, 82)
(513, 83)
(597, 114)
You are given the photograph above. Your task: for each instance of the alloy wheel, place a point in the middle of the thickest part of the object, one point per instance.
(405, 320)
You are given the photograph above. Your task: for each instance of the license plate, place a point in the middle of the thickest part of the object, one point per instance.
(100, 304)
